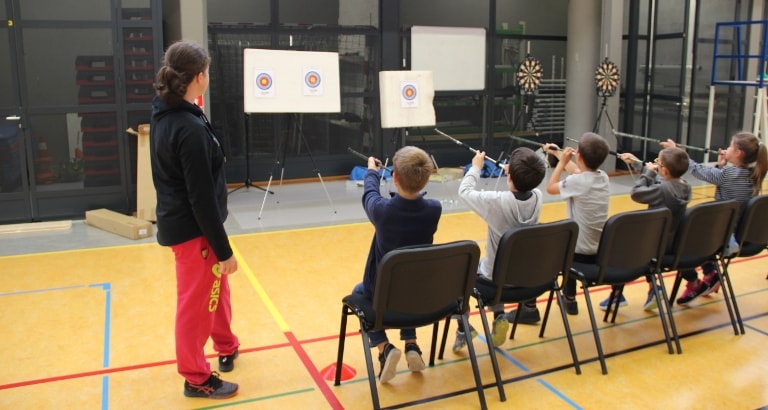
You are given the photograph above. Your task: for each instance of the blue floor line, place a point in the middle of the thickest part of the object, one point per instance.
(561, 395)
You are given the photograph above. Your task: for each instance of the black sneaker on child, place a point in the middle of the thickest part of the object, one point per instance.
(213, 388)
(227, 363)
(571, 305)
(528, 315)
(413, 357)
(388, 360)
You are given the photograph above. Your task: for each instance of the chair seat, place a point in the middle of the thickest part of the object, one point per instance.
(613, 276)
(359, 303)
(488, 292)
(751, 249)
(685, 262)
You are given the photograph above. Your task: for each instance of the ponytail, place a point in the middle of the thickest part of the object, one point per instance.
(755, 157)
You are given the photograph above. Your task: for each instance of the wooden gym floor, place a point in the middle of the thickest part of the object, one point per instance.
(93, 328)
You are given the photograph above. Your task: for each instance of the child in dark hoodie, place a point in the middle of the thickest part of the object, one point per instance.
(660, 186)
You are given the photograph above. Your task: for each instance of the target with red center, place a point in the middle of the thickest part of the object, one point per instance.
(264, 81)
(312, 79)
(409, 92)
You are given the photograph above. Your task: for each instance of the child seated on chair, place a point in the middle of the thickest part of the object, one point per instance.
(738, 175)
(405, 219)
(660, 186)
(520, 205)
(586, 194)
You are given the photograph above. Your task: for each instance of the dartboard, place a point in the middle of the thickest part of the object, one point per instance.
(529, 75)
(607, 78)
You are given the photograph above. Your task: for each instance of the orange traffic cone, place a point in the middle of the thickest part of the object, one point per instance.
(44, 174)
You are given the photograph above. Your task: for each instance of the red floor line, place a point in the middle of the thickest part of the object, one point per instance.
(333, 401)
(123, 369)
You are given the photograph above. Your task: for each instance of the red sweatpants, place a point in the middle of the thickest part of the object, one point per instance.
(203, 309)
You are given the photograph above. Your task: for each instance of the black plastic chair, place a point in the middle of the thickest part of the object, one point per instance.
(529, 260)
(415, 286)
(631, 245)
(752, 236)
(703, 232)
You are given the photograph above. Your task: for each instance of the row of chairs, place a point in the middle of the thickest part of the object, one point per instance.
(424, 285)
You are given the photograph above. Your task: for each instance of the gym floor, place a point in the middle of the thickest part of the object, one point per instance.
(88, 321)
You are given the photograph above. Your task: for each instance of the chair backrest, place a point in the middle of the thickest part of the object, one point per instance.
(703, 232)
(753, 225)
(534, 255)
(631, 242)
(426, 283)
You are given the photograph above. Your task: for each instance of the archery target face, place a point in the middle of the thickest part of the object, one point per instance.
(263, 84)
(409, 92)
(313, 82)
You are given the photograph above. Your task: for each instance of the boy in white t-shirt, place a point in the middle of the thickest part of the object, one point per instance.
(586, 193)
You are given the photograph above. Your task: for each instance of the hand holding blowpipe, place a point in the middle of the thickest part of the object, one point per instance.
(662, 143)
(468, 147)
(623, 157)
(363, 157)
(720, 152)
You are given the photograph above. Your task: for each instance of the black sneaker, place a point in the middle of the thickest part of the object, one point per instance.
(213, 388)
(227, 363)
(388, 360)
(413, 357)
(528, 315)
(571, 305)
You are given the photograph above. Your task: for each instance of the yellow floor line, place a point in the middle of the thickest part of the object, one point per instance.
(242, 266)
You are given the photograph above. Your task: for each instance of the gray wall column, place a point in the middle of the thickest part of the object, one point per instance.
(583, 54)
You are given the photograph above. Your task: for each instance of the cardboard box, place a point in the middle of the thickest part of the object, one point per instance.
(145, 189)
(123, 225)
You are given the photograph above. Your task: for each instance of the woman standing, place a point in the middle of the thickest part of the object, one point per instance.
(188, 173)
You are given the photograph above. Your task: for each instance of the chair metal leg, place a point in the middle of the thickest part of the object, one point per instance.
(345, 311)
(369, 366)
(727, 279)
(514, 322)
(730, 301)
(546, 313)
(595, 331)
(667, 306)
(675, 288)
(568, 334)
(475, 369)
(667, 337)
(445, 337)
(434, 344)
(491, 349)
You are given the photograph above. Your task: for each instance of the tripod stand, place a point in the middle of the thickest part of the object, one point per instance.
(297, 133)
(600, 115)
(248, 183)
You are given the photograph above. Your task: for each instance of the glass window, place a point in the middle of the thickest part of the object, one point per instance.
(309, 12)
(75, 150)
(139, 65)
(91, 10)
(136, 10)
(7, 81)
(11, 151)
(448, 13)
(69, 66)
(542, 17)
(239, 11)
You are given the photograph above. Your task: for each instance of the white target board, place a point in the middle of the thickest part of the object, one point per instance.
(406, 99)
(456, 56)
(288, 81)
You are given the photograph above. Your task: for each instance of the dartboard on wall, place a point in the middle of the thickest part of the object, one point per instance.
(607, 78)
(529, 75)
